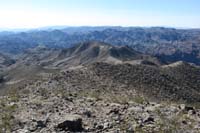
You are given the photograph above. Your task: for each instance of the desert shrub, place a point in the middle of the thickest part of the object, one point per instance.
(6, 116)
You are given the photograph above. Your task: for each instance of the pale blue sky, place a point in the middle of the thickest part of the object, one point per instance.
(38, 13)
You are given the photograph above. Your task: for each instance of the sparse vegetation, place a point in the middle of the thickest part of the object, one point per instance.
(7, 115)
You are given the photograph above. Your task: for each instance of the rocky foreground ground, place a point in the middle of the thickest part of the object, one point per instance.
(73, 101)
(44, 112)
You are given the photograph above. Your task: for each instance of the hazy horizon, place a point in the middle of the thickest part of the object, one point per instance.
(28, 14)
(52, 27)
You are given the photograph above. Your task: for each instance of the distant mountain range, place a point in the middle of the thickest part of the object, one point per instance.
(168, 44)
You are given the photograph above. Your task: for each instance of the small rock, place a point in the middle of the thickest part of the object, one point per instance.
(136, 109)
(186, 108)
(32, 126)
(106, 125)
(99, 127)
(89, 99)
(184, 122)
(150, 108)
(148, 119)
(191, 112)
(130, 130)
(41, 124)
(88, 113)
(182, 106)
(114, 111)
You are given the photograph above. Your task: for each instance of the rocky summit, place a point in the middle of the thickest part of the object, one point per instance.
(97, 87)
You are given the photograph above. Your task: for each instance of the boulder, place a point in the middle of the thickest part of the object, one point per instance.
(188, 108)
(70, 123)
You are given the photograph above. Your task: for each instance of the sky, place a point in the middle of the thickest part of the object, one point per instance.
(40, 13)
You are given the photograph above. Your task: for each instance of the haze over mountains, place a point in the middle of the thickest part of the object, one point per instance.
(167, 44)
(100, 79)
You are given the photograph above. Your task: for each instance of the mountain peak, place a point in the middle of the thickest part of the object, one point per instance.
(84, 53)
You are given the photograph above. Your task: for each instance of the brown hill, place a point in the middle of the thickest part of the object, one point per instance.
(84, 53)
